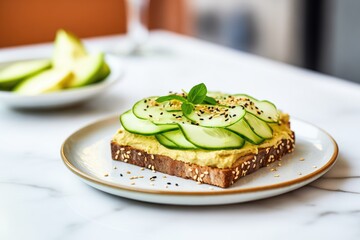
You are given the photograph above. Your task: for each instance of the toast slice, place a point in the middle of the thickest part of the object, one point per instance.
(243, 161)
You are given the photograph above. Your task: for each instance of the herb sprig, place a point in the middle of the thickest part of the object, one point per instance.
(196, 95)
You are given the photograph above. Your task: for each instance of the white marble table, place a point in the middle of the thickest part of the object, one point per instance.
(41, 199)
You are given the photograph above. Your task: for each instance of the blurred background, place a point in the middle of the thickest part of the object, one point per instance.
(318, 35)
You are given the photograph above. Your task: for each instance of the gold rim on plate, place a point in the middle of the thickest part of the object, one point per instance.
(87, 177)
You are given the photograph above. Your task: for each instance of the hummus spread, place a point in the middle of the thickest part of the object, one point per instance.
(212, 158)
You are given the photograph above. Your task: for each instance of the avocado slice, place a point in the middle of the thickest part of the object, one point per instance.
(86, 70)
(68, 48)
(14, 73)
(45, 82)
(104, 72)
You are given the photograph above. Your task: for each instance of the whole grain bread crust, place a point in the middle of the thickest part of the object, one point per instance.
(221, 177)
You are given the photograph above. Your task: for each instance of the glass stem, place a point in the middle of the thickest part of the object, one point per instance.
(136, 28)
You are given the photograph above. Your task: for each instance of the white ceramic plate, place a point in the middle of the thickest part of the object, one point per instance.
(65, 97)
(87, 154)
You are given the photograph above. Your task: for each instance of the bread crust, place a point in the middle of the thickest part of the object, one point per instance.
(221, 177)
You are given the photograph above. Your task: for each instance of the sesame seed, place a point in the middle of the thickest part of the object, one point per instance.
(300, 173)
(128, 172)
(276, 175)
(314, 166)
(106, 175)
(302, 159)
(164, 176)
(133, 183)
(198, 183)
(115, 167)
(142, 169)
(139, 153)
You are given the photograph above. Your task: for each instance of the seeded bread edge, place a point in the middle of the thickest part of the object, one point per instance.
(221, 177)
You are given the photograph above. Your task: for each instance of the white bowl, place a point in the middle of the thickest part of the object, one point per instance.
(65, 97)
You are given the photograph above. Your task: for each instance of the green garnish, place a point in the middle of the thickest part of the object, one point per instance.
(196, 95)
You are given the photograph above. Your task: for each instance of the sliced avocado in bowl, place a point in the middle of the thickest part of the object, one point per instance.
(67, 49)
(48, 81)
(15, 73)
(104, 72)
(86, 70)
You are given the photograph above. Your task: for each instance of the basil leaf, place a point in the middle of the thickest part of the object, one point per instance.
(210, 100)
(187, 108)
(197, 94)
(171, 97)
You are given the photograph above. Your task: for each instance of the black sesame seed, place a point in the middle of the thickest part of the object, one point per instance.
(174, 114)
(210, 117)
(121, 175)
(226, 119)
(168, 183)
(201, 119)
(150, 115)
(234, 115)
(176, 184)
(145, 101)
(161, 113)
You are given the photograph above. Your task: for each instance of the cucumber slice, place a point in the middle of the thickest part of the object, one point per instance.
(14, 73)
(178, 138)
(140, 126)
(47, 81)
(165, 142)
(243, 129)
(261, 128)
(216, 116)
(151, 110)
(172, 106)
(86, 70)
(68, 48)
(264, 110)
(211, 138)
